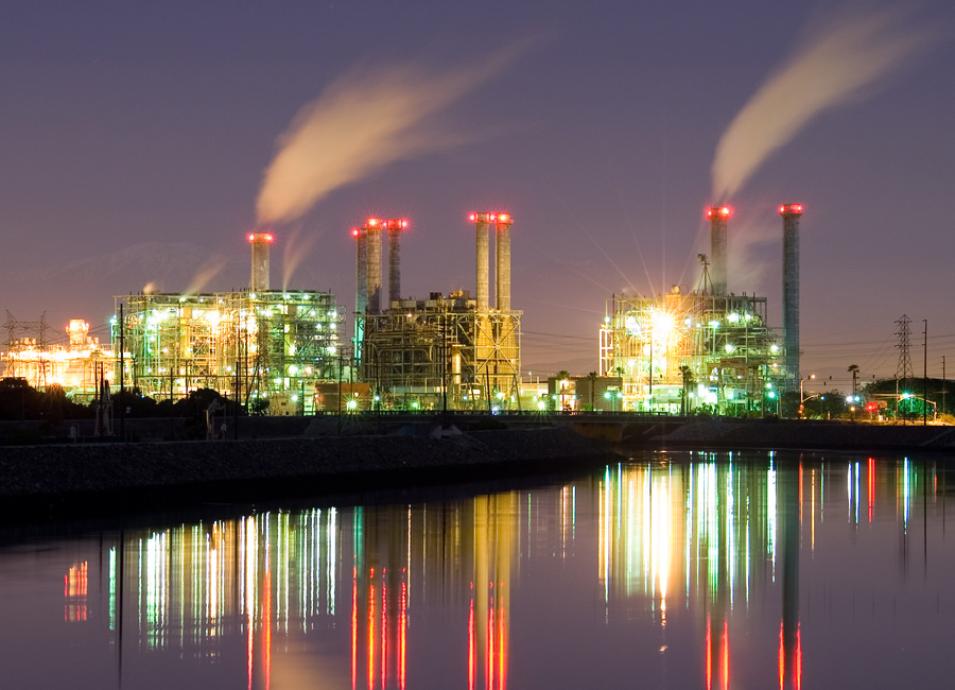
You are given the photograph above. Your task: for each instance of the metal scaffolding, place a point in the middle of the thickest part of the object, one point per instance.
(425, 354)
(695, 351)
(268, 349)
(75, 365)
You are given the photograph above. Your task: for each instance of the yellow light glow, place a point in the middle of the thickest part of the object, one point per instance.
(661, 325)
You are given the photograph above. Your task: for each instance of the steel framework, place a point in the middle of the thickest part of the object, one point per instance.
(425, 354)
(273, 345)
(715, 350)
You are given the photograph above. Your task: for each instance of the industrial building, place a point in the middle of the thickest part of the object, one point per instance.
(271, 349)
(447, 351)
(77, 366)
(708, 349)
(589, 393)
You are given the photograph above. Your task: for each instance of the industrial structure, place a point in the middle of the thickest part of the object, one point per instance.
(791, 213)
(445, 352)
(708, 349)
(270, 349)
(78, 365)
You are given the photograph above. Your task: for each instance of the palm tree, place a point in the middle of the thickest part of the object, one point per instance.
(854, 370)
(687, 380)
(562, 382)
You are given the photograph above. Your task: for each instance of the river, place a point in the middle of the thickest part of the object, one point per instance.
(669, 570)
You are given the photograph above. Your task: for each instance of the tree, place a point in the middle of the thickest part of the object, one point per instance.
(134, 403)
(854, 371)
(828, 405)
(20, 400)
(562, 375)
(593, 388)
(687, 376)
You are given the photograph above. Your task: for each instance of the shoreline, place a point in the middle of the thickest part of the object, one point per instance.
(722, 433)
(53, 480)
(102, 478)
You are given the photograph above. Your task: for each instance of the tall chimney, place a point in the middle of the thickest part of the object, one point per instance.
(482, 256)
(718, 217)
(395, 227)
(502, 251)
(260, 244)
(373, 264)
(791, 213)
(361, 286)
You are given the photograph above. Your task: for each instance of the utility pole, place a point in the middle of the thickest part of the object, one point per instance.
(238, 384)
(854, 370)
(444, 360)
(122, 372)
(924, 372)
(944, 384)
(650, 392)
(340, 364)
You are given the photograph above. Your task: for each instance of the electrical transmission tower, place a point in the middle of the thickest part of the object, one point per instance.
(903, 370)
(17, 329)
(22, 328)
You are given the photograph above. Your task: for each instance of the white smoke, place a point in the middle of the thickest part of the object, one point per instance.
(297, 248)
(206, 273)
(834, 65)
(359, 124)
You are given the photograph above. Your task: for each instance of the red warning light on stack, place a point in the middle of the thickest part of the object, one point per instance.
(490, 217)
(395, 224)
(724, 212)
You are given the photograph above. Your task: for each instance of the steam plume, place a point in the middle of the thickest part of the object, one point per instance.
(359, 124)
(835, 65)
(205, 273)
(296, 248)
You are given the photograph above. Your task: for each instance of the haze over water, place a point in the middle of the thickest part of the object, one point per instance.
(669, 571)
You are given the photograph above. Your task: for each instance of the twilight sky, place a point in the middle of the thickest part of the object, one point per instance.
(134, 136)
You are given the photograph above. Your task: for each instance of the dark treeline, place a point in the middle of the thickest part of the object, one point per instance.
(19, 400)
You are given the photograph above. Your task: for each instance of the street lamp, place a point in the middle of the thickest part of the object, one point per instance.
(802, 398)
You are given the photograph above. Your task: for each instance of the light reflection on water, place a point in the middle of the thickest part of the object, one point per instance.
(708, 571)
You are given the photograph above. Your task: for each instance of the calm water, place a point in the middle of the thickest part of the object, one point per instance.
(670, 571)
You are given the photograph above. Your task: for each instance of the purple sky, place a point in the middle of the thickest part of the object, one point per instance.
(133, 139)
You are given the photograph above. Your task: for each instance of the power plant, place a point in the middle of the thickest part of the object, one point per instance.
(267, 348)
(77, 366)
(708, 349)
(448, 351)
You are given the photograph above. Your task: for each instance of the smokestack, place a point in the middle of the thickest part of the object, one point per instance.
(373, 264)
(482, 257)
(791, 213)
(719, 217)
(361, 287)
(260, 244)
(502, 251)
(395, 227)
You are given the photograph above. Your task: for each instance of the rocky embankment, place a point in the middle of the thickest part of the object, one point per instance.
(33, 475)
(723, 433)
